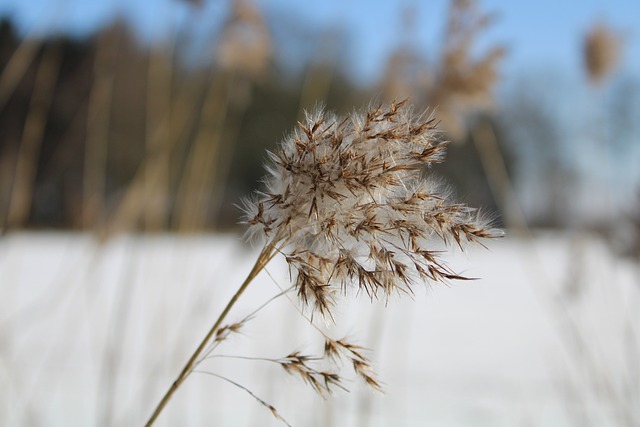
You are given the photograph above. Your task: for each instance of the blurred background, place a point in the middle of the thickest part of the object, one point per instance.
(130, 131)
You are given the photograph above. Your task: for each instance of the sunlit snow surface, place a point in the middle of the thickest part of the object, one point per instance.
(93, 334)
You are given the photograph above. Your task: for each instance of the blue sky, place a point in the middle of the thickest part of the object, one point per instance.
(538, 34)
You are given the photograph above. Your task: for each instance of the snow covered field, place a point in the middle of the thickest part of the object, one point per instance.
(93, 334)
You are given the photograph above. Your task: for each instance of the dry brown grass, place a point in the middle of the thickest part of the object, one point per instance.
(458, 81)
(32, 136)
(347, 206)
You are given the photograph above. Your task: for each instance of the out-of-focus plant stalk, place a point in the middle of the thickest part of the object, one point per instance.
(32, 136)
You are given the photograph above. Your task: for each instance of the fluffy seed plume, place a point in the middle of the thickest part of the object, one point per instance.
(347, 203)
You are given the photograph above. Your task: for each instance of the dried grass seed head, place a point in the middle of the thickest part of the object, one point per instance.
(346, 202)
(601, 52)
(244, 46)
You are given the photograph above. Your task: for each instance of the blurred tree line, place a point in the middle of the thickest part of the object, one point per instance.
(102, 130)
(105, 132)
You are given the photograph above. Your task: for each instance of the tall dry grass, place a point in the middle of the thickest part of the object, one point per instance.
(33, 132)
(347, 207)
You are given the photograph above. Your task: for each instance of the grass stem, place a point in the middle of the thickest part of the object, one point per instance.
(265, 256)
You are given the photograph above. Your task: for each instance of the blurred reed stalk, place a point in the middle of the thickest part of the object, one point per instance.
(159, 100)
(170, 131)
(243, 53)
(225, 148)
(191, 130)
(16, 67)
(601, 56)
(169, 126)
(500, 183)
(33, 133)
(98, 124)
(194, 188)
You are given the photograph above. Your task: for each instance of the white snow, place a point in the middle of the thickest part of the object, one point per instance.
(93, 334)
